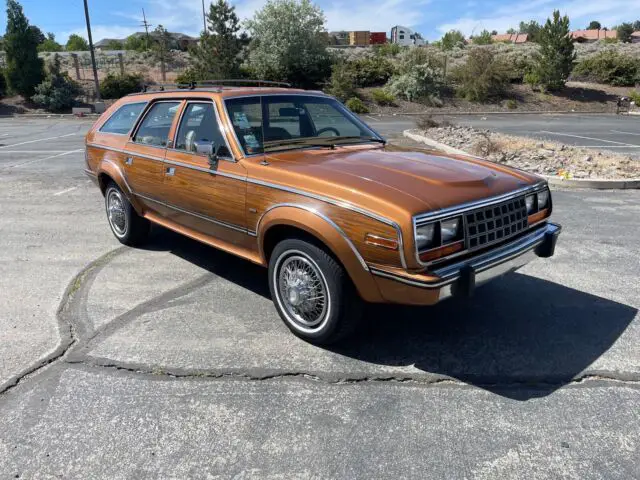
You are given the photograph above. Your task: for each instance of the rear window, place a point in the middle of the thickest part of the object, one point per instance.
(122, 121)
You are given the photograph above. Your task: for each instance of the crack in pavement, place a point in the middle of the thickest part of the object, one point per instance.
(77, 337)
(67, 329)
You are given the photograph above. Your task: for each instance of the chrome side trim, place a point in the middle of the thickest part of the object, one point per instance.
(206, 170)
(323, 217)
(449, 274)
(198, 215)
(337, 203)
(314, 196)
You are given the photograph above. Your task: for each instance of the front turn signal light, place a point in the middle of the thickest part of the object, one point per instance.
(378, 241)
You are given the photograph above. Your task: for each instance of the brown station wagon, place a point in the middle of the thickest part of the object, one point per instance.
(293, 181)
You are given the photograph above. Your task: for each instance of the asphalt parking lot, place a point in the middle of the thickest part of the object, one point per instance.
(170, 361)
(613, 133)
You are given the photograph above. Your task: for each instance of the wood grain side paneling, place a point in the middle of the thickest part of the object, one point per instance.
(355, 225)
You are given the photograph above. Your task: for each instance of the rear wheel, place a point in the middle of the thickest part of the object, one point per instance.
(312, 292)
(127, 226)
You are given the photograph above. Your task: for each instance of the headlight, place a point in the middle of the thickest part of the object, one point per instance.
(543, 199)
(530, 201)
(450, 230)
(425, 236)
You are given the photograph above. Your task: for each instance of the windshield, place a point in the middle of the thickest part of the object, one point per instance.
(283, 122)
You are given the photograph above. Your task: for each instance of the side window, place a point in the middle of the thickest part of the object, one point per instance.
(155, 126)
(199, 126)
(246, 118)
(122, 121)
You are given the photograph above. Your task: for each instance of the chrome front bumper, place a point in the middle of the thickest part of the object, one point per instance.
(461, 278)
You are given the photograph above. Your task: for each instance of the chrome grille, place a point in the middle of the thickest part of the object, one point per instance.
(494, 223)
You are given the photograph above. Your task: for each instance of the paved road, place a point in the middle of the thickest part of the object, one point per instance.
(620, 134)
(175, 365)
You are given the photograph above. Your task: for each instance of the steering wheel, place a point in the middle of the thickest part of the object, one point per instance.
(328, 129)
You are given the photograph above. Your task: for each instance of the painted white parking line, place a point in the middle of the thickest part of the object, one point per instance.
(32, 151)
(38, 140)
(626, 133)
(373, 119)
(46, 158)
(588, 138)
(64, 191)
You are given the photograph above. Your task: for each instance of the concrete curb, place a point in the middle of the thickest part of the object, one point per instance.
(506, 112)
(591, 183)
(50, 115)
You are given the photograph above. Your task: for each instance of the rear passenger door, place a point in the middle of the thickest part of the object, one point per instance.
(206, 196)
(145, 151)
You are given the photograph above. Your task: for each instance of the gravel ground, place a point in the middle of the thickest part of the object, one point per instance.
(549, 158)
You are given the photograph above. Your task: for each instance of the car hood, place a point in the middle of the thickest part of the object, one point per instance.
(416, 181)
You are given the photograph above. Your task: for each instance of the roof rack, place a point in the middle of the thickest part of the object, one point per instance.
(218, 84)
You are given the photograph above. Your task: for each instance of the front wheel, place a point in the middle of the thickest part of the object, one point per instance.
(312, 292)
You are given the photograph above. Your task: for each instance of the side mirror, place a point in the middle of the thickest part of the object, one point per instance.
(208, 148)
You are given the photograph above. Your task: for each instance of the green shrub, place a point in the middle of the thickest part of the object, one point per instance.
(369, 71)
(512, 104)
(116, 86)
(610, 67)
(57, 91)
(356, 105)
(3, 84)
(532, 79)
(482, 77)
(422, 84)
(634, 95)
(382, 97)
(341, 83)
(425, 122)
(387, 49)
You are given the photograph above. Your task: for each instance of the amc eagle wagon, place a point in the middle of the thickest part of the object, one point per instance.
(293, 181)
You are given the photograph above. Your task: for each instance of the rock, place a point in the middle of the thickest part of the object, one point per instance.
(587, 159)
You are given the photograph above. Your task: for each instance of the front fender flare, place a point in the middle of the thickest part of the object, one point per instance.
(317, 224)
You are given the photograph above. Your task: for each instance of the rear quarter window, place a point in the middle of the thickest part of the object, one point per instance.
(122, 121)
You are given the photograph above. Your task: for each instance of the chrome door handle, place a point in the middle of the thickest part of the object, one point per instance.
(129, 161)
(170, 171)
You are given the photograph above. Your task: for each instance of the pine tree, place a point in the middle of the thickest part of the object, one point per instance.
(24, 69)
(217, 55)
(557, 57)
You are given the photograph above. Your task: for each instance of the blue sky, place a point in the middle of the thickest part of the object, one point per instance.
(119, 18)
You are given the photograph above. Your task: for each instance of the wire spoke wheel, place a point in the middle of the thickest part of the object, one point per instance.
(116, 212)
(302, 291)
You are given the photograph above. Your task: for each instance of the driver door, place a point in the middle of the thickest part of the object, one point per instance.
(205, 195)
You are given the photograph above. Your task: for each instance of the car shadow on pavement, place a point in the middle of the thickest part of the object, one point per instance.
(519, 336)
(518, 331)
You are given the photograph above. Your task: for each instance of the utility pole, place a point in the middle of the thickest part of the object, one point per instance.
(93, 55)
(204, 18)
(146, 26)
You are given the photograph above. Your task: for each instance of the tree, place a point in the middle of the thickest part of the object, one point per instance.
(636, 25)
(624, 32)
(557, 57)
(135, 42)
(287, 43)
(57, 92)
(494, 32)
(37, 34)
(217, 54)
(161, 48)
(50, 44)
(114, 45)
(594, 25)
(532, 29)
(483, 39)
(76, 44)
(451, 39)
(23, 67)
(482, 76)
(512, 31)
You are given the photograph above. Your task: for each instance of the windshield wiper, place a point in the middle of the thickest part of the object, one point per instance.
(360, 139)
(320, 142)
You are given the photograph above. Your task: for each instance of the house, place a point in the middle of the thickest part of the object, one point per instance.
(516, 38)
(105, 43)
(405, 36)
(635, 37)
(590, 36)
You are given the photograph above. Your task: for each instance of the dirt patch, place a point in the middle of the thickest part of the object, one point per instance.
(546, 158)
